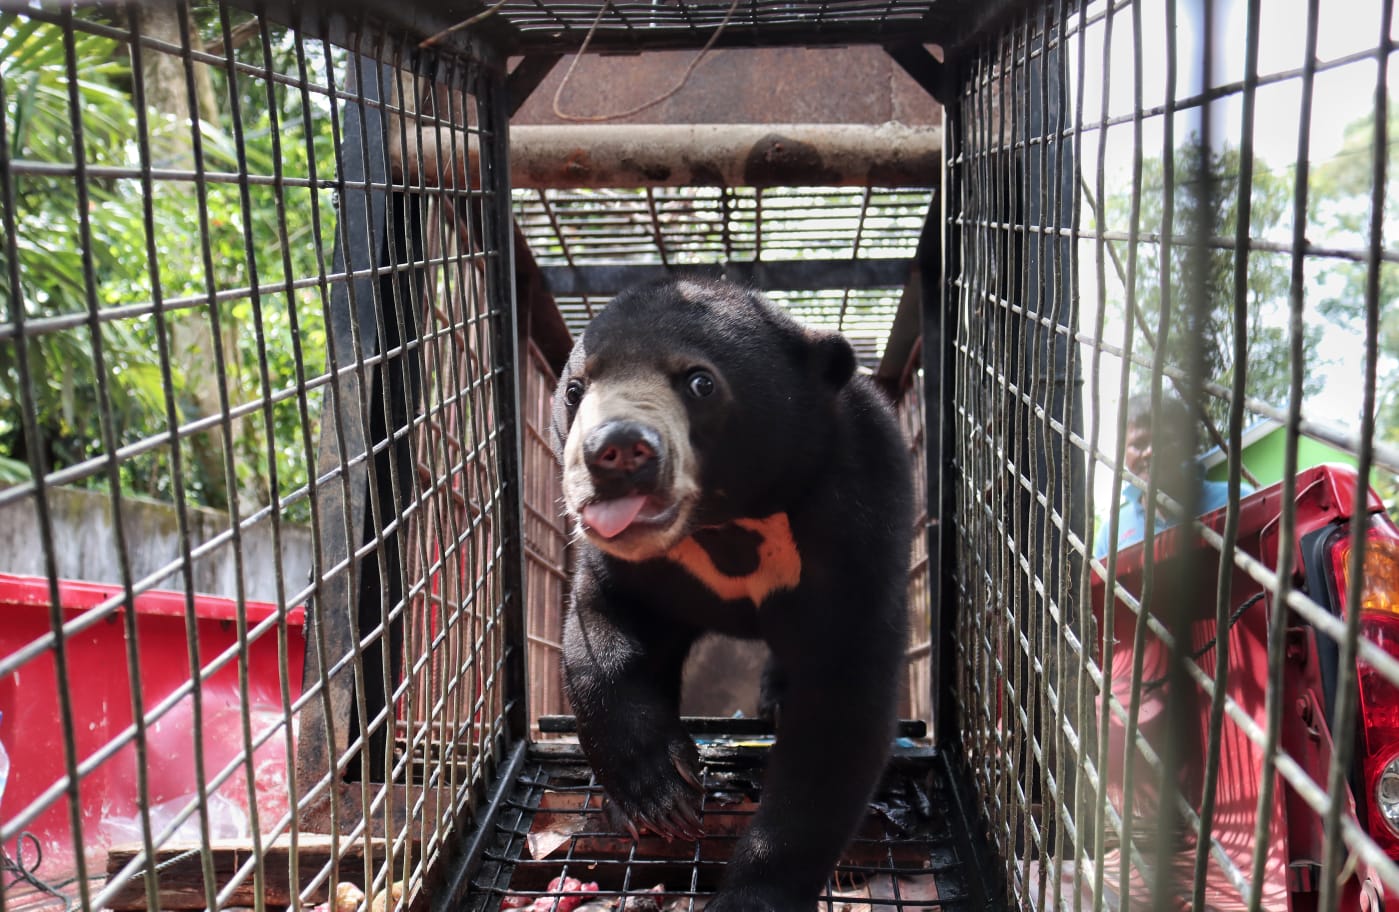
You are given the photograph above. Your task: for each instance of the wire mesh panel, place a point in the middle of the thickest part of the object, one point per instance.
(1170, 245)
(776, 238)
(546, 542)
(262, 609)
(633, 25)
(918, 687)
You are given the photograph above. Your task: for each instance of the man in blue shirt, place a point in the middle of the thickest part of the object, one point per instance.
(1175, 468)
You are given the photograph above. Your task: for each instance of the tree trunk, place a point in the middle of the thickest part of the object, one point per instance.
(192, 342)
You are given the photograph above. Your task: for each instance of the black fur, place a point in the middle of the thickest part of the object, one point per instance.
(790, 430)
(733, 549)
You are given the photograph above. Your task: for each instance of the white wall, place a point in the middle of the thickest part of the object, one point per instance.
(84, 545)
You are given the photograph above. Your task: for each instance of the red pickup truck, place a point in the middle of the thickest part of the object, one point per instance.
(1325, 512)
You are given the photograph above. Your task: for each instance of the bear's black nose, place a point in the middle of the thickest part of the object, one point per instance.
(623, 451)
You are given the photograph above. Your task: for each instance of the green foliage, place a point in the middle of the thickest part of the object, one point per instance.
(52, 272)
(110, 336)
(1341, 210)
(1211, 339)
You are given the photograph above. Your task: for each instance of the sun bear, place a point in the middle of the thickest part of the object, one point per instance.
(725, 468)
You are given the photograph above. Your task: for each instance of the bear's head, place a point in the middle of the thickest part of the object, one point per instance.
(692, 403)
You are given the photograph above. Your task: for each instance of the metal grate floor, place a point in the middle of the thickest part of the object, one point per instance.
(553, 851)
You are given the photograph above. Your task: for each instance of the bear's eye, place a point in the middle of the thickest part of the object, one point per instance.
(573, 393)
(700, 384)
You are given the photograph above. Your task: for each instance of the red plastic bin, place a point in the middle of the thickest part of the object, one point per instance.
(100, 689)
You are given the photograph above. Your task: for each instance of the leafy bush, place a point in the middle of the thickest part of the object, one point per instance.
(105, 279)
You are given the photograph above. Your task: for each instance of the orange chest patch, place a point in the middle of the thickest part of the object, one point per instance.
(751, 558)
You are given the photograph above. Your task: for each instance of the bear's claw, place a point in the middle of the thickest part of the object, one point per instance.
(680, 821)
(648, 776)
(687, 774)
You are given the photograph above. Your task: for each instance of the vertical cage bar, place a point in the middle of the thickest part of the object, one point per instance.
(344, 449)
(209, 300)
(497, 221)
(939, 356)
(1346, 710)
(1108, 639)
(241, 620)
(1055, 467)
(1085, 718)
(1280, 618)
(1130, 786)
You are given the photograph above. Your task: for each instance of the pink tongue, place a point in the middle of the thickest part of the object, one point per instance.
(609, 518)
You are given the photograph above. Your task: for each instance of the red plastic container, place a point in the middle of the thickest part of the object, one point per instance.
(99, 687)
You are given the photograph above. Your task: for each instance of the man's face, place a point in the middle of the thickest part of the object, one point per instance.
(1137, 456)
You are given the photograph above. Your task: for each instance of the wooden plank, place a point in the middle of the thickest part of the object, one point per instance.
(182, 877)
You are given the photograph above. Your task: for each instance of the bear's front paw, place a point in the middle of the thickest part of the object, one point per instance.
(656, 789)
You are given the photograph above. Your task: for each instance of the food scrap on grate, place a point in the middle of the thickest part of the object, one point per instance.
(348, 898)
(564, 894)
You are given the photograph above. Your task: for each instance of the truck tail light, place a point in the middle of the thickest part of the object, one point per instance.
(1378, 753)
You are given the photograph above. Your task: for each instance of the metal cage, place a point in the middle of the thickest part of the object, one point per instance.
(1142, 199)
(228, 288)
(283, 569)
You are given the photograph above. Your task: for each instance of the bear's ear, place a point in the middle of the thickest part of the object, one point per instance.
(832, 357)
